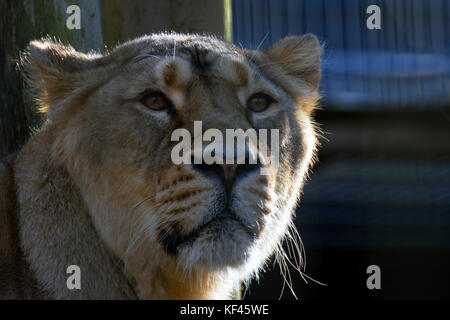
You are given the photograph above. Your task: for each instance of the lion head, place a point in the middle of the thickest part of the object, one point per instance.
(197, 225)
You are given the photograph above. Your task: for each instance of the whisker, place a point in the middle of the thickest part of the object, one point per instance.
(259, 45)
(302, 254)
(174, 48)
(143, 200)
(144, 56)
(295, 257)
(140, 234)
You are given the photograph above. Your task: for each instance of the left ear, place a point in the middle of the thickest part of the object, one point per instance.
(54, 70)
(299, 57)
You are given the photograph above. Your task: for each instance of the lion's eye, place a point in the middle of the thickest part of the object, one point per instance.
(259, 102)
(156, 101)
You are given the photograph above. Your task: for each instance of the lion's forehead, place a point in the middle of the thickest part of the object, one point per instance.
(179, 65)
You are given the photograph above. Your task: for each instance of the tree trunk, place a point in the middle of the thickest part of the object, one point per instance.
(15, 116)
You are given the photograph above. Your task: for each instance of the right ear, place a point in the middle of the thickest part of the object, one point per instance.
(299, 57)
(54, 70)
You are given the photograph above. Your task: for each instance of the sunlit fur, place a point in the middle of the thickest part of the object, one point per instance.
(114, 155)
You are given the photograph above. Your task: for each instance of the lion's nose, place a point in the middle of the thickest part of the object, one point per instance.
(226, 171)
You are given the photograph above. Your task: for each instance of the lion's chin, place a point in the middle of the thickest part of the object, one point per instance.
(223, 243)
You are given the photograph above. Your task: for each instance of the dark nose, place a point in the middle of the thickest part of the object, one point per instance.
(228, 173)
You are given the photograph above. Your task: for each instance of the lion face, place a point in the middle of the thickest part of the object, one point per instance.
(114, 117)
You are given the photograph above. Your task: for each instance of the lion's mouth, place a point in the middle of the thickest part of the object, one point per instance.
(173, 241)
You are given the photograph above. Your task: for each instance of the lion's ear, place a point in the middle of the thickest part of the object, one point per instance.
(299, 57)
(54, 70)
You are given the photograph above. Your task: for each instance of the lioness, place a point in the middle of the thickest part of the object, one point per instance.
(96, 186)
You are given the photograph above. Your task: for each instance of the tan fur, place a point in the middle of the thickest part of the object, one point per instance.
(96, 187)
